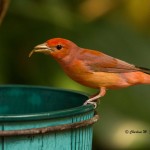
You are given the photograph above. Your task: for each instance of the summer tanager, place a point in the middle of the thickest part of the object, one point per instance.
(93, 68)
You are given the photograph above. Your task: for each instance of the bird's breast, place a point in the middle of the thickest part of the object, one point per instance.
(79, 73)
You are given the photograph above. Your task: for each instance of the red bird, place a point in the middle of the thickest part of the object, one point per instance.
(93, 68)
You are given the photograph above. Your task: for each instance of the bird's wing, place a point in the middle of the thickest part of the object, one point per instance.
(100, 62)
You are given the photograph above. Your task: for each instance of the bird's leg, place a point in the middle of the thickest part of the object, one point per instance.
(93, 100)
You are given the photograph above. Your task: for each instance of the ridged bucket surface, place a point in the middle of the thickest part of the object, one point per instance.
(29, 107)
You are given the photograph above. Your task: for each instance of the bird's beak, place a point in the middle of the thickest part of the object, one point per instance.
(42, 48)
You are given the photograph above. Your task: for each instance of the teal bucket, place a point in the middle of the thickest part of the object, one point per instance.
(42, 118)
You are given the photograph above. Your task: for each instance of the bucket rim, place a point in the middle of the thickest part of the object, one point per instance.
(46, 115)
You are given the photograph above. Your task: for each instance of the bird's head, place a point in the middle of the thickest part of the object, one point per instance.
(56, 47)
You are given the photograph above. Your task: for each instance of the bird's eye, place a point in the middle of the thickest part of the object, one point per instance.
(59, 47)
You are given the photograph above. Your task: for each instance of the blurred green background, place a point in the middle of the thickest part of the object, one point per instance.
(120, 28)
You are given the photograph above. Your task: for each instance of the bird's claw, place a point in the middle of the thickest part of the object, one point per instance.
(89, 102)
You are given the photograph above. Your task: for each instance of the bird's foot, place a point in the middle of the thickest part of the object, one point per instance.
(94, 99)
(91, 102)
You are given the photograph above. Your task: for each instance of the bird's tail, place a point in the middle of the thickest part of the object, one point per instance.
(146, 75)
(145, 70)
